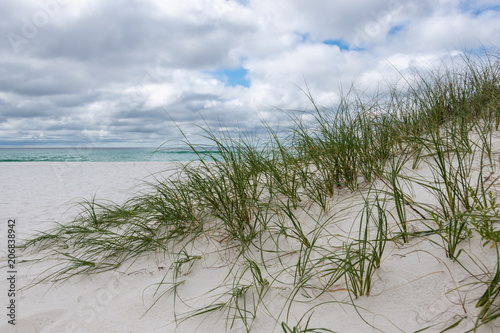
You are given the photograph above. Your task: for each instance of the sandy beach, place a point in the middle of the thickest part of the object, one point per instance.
(250, 166)
(40, 193)
(415, 287)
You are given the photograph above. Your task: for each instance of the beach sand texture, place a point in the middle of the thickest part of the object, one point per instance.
(355, 220)
(415, 287)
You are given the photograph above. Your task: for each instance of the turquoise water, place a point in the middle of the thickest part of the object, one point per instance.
(93, 155)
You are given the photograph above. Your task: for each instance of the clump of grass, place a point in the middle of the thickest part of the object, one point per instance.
(255, 192)
(391, 179)
(284, 172)
(487, 217)
(362, 257)
(345, 144)
(101, 238)
(490, 310)
(458, 185)
(229, 185)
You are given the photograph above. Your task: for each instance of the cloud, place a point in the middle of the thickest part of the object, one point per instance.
(130, 72)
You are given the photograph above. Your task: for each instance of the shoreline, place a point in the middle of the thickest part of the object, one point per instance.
(354, 221)
(123, 300)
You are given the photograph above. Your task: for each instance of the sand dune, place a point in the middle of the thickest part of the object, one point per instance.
(415, 287)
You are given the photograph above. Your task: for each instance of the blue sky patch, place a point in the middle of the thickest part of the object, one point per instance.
(478, 12)
(243, 2)
(232, 77)
(394, 30)
(468, 7)
(338, 42)
(303, 37)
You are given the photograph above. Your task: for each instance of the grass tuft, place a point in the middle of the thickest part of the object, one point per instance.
(273, 204)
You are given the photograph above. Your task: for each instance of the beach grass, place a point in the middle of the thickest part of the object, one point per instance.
(273, 200)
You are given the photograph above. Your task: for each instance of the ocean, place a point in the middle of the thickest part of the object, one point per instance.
(85, 154)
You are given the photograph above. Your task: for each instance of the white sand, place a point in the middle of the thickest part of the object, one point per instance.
(415, 287)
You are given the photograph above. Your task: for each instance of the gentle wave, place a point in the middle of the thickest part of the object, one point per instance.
(96, 155)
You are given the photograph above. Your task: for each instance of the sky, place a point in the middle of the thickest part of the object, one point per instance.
(137, 73)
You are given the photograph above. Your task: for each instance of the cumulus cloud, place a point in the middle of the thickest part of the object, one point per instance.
(133, 72)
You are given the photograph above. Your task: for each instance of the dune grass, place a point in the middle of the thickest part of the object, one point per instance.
(254, 194)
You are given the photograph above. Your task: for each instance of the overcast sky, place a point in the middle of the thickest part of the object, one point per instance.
(110, 73)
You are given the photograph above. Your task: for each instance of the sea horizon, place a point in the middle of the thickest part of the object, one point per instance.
(96, 154)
